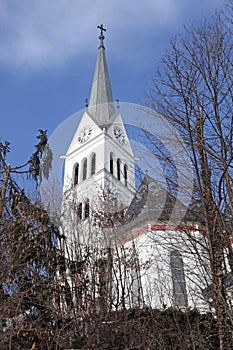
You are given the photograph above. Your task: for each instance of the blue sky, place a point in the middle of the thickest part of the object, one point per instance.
(48, 51)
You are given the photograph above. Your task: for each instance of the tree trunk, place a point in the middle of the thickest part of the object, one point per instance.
(4, 188)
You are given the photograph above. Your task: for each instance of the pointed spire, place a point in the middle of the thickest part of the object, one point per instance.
(101, 106)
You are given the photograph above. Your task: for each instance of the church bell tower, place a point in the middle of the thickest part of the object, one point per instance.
(99, 162)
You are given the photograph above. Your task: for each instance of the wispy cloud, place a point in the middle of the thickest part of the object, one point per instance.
(46, 33)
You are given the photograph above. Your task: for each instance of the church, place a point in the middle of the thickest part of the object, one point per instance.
(134, 254)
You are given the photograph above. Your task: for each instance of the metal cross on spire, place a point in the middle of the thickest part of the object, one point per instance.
(101, 37)
(102, 29)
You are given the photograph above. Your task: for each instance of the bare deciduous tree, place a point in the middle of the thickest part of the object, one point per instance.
(193, 89)
(90, 299)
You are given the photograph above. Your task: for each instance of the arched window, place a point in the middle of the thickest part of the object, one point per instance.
(84, 168)
(79, 211)
(178, 279)
(86, 210)
(103, 272)
(76, 173)
(93, 163)
(111, 163)
(134, 285)
(126, 174)
(118, 169)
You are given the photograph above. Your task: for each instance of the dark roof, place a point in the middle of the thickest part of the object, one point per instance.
(152, 201)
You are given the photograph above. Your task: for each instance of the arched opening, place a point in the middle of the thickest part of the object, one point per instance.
(93, 163)
(86, 210)
(118, 169)
(178, 279)
(111, 163)
(84, 168)
(135, 290)
(126, 174)
(76, 173)
(79, 211)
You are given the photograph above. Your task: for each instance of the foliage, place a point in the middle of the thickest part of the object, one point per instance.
(41, 160)
(28, 254)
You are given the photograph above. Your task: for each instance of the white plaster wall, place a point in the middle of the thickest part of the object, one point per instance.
(153, 250)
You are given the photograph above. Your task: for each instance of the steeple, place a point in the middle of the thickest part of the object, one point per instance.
(101, 106)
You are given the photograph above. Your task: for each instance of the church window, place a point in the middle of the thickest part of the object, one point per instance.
(103, 273)
(84, 168)
(93, 163)
(87, 210)
(76, 171)
(126, 174)
(135, 279)
(111, 163)
(79, 211)
(118, 169)
(178, 279)
(134, 285)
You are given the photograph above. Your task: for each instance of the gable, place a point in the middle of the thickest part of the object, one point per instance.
(85, 122)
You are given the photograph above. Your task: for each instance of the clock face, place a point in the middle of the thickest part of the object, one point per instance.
(119, 135)
(85, 134)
